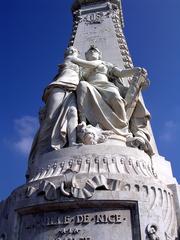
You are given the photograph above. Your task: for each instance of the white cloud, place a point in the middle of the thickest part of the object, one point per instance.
(23, 145)
(25, 128)
(169, 131)
(26, 125)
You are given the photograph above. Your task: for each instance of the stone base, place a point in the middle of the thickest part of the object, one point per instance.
(163, 170)
(86, 220)
(107, 215)
(91, 193)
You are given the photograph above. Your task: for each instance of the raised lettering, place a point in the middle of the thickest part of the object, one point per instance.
(101, 219)
(87, 219)
(83, 219)
(111, 219)
(67, 219)
(79, 219)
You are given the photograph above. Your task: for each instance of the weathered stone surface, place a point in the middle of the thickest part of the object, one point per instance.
(102, 189)
(127, 210)
(100, 183)
(163, 169)
(77, 224)
(93, 159)
(175, 188)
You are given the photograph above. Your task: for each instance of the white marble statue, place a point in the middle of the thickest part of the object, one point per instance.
(59, 117)
(101, 102)
(87, 103)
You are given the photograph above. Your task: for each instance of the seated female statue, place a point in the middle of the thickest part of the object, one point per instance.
(100, 101)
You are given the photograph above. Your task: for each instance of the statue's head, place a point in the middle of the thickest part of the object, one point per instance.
(71, 51)
(93, 53)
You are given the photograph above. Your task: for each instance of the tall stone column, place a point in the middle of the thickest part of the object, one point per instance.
(94, 173)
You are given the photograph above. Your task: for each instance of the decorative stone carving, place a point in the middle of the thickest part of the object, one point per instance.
(94, 18)
(77, 18)
(103, 163)
(49, 189)
(151, 231)
(128, 64)
(71, 185)
(30, 190)
(90, 135)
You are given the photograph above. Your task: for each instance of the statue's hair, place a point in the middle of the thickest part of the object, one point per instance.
(92, 47)
(69, 51)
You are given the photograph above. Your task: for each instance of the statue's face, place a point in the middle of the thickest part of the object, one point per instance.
(75, 53)
(92, 54)
(72, 51)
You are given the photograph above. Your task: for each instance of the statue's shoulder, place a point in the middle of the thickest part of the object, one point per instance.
(109, 65)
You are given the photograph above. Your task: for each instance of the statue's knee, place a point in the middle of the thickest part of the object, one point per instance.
(115, 97)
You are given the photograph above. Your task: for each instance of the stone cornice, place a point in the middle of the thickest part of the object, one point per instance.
(77, 3)
(80, 3)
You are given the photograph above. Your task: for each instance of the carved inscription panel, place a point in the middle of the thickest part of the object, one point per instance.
(86, 224)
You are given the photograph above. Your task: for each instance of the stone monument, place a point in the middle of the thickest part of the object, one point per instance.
(94, 171)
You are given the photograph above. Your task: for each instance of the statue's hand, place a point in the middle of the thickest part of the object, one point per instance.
(146, 81)
(71, 58)
(141, 71)
(144, 72)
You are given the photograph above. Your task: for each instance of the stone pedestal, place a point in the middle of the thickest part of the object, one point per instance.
(91, 192)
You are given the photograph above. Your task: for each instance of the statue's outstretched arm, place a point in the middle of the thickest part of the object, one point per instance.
(85, 63)
(128, 72)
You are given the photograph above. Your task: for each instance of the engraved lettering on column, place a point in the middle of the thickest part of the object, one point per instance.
(94, 18)
(64, 231)
(116, 218)
(67, 219)
(73, 226)
(82, 219)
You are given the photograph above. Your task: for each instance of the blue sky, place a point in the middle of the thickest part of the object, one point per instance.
(34, 35)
